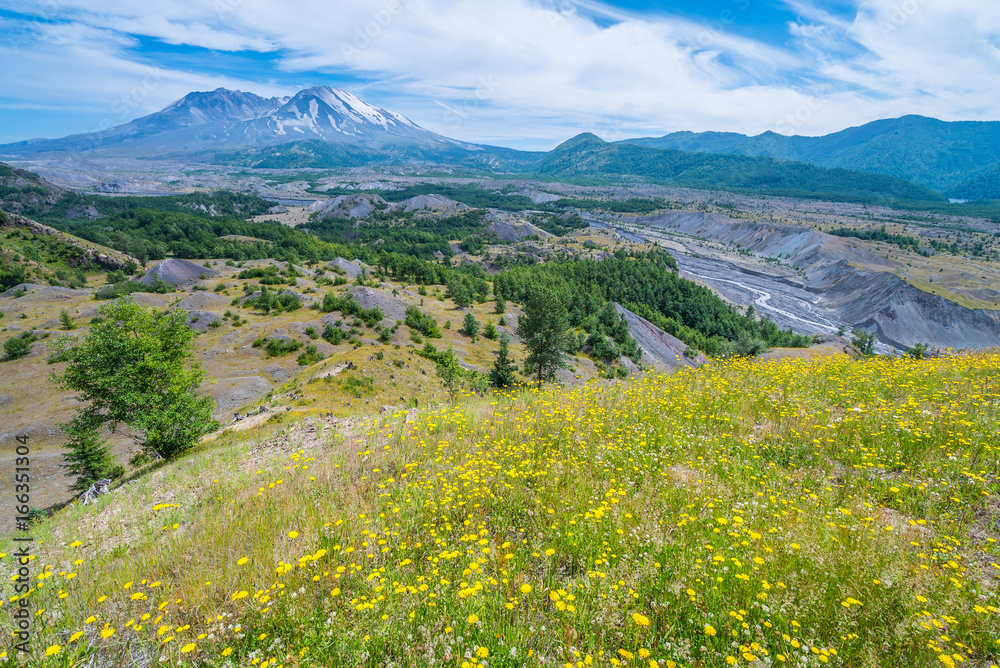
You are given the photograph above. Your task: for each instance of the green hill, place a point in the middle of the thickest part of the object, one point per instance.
(936, 154)
(588, 155)
(985, 184)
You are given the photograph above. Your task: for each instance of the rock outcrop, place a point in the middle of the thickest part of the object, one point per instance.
(660, 350)
(177, 272)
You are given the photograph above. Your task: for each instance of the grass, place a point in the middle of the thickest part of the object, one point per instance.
(810, 512)
(227, 354)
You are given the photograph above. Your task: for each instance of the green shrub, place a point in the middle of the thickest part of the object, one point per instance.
(334, 335)
(348, 306)
(158, 286)
(421, 322)
(277, 347)
(748, 345)
(18, 346)
(864, 341)
(310, 356)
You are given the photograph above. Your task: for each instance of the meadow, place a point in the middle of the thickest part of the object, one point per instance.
(823, 512)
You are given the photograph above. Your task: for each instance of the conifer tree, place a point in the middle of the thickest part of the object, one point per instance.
(544, 328)
(65, 320)
(470, 326)
(88, 458)
(459, 291)
(503, 372)
(450, 372)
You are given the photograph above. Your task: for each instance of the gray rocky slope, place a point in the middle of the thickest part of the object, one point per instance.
(854, 285)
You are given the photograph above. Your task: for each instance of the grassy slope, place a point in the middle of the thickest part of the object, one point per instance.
(228, 358)
(226, 354)
(805, 511)
(55, 247)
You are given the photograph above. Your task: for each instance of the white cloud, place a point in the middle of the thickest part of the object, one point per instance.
(85, 69)
(932, 57)
(532, 73)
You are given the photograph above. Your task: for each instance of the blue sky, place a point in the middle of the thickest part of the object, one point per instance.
(522, 73)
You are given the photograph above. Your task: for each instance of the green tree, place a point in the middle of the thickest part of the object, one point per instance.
(18, 346)
(458, 291)
(65, 320)
(134, 369)
(12, 276)
(863, 341)
(544, 328)
(450, 372)
(88, 458)
(470, 326)
(503, 373)
(490, 331)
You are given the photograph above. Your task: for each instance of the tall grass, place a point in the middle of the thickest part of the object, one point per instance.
(827, 512)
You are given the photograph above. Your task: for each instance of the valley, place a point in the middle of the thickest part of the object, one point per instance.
(766, 253)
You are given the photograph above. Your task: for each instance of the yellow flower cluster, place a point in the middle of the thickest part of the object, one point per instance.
(826, 512)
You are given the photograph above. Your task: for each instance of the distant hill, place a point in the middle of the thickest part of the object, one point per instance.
(951, 157)
(588, 155)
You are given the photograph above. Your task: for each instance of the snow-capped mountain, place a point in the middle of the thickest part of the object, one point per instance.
(232, 120)
(331, 114)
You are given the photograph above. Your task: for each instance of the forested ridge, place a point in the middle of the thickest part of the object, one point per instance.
(588, 155)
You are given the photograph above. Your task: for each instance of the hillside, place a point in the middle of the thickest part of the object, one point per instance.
(983, 184)
(32, 252)
(731, 515)
(939, 155)
(340, 332)
(588, 155)
(24, 192)
(853, 282)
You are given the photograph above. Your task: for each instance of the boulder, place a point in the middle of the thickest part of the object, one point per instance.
(177, 272)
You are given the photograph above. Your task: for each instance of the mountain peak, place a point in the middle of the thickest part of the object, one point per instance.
(585, 136)
(579, 140)
(333, 114)
(217, 106)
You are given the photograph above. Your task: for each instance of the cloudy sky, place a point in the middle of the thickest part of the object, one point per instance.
(521, 73)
